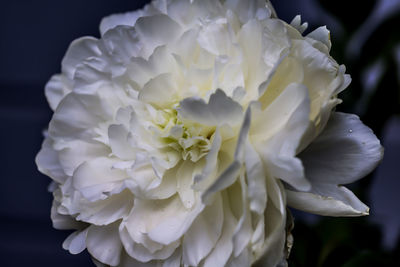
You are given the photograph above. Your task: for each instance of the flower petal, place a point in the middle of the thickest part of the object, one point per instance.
(143, 255)
(152, 217)
(119, 144)
(272, 251)
(48, 162)
(344, 152)
(224, 247)
(96, 177)
(78, 51)
(104, 244)
(185, 176)
(214, 38)
(296, 23)
(160, 91)
(203, 234)
(331, 200)
(290, 114)
(75, 242)
(157, 30)
(112, 21)
(76, 117)
(64, 222)
(220, 109)
(231, 173)
(322, 35)
(74, 153)
(121, 44)
(243, 230)
(106, 211)
(249, 9)
(200, 180)
(56, 89)
(255, 179)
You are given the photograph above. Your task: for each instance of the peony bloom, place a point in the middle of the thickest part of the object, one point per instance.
(181, 135)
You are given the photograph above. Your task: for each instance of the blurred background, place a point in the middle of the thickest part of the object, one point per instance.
(34, 37)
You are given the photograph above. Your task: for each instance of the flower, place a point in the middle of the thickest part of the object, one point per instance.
(180, 136)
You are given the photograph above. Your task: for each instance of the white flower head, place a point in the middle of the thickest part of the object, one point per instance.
(180, 136)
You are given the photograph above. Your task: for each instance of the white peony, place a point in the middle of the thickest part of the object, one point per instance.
(180, 136)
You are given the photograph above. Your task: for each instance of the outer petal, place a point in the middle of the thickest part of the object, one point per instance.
(296, 23)
(151, 218)
(142, 255)
(128, 18)
(78, 51)
(121, 44)
(64, 222)
(104, 212)
(104, 244)
(157, 30)
(322, 35)
(76, 116)
(331, 200)
(250, 9)
(344, 152)
(74, 153)
(75, 242)
(56, 89)
(48, 162)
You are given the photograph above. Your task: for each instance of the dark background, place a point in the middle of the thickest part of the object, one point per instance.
(34, 36)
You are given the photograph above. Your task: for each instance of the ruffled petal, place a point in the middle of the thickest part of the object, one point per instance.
(109, 210)
(96, 178)
(119, 144)
(78, 51)
(77, 116)
(157, 30)
(143, 254)
(56, 89)
(220, 109)
(112, 21)
(73, 153)
(249, 9)
(152, 217)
